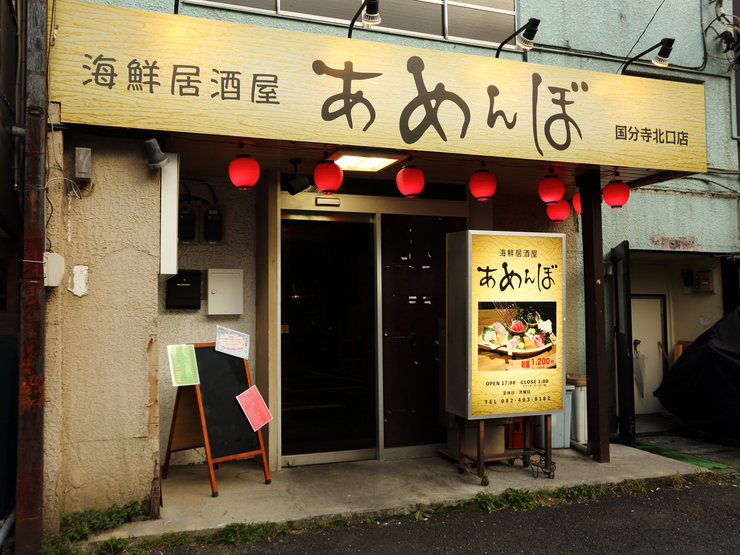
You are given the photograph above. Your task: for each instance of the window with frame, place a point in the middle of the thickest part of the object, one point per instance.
(486, 22)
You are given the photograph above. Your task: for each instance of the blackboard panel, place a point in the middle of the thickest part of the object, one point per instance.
(222, 378)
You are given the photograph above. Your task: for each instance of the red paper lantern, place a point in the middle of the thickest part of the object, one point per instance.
(328, 177)
(616, 194)
(244, 171)
(551, 189)
(577, 202)
(559, 211)
(410, 181)
(482, 184)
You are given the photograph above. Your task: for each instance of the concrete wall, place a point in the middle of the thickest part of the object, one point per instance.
(99, 444)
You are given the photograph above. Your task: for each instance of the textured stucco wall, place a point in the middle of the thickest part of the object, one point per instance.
(648, 215)
(177, 326)
(99, 446)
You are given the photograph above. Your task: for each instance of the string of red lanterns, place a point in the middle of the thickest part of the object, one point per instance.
(244, 172)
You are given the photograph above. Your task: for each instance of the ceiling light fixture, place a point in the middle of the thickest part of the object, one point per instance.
(526, 41)
(365, 160)
(369, 18)
(660, 59)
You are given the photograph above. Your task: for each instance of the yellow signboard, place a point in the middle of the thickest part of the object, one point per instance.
(133, 68)
(517, 339)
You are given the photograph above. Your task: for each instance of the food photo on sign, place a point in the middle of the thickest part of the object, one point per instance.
(516, 335)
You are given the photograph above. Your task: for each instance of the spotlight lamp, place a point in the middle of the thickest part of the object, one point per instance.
(660, 59)
(369, 18)
(526, 41)
(156, 158)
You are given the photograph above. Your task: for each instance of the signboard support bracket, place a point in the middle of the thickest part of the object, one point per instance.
(477, 464)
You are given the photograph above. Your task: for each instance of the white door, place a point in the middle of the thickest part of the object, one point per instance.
(647, 322)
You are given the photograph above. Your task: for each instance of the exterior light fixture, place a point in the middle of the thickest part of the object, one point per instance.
(299, 183)
(482, 184)
(551, 188)
(616, 193)
(369, 18)
(526, 41)
(328, 177)
(559, 211)
(660, 59)
(155, 157)
(244, 171)
(410, 181)
(577, 202)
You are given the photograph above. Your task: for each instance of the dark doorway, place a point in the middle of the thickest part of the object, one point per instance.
(328, 335)
(623, 317)
(414, 308)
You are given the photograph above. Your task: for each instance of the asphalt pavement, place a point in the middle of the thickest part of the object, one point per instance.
(689, 520)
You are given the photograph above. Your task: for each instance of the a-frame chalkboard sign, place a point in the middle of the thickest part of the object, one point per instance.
(208, 415)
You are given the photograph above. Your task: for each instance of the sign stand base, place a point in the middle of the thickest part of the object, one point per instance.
(538, 459)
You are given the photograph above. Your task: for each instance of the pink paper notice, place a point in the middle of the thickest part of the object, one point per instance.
(254, 407)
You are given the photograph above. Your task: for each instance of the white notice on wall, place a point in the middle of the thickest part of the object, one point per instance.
(232, 342)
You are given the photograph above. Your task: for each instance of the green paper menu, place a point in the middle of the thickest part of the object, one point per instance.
(183, 365)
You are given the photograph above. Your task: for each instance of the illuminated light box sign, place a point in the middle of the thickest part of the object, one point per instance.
(505, 333)
(124, 67)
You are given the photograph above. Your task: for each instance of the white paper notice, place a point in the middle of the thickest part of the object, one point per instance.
(232, 342)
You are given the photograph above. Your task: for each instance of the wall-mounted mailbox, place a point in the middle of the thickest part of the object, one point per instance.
(225, 291)
(183, 290)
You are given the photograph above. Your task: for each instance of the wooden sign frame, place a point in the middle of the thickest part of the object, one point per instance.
(189, 427)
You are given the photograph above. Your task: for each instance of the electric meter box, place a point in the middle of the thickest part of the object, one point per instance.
(225, 291)
(53, 269)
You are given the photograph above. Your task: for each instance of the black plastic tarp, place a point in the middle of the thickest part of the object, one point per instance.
(702, 387)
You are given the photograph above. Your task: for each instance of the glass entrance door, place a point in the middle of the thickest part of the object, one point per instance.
(362, 319)
(328, 339)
